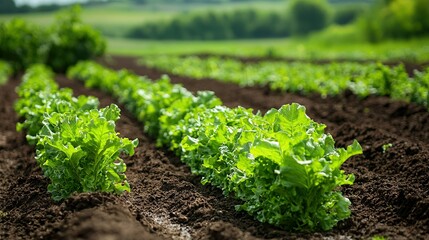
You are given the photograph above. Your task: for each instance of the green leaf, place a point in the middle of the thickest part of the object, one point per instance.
(267, 149)
(245, 164)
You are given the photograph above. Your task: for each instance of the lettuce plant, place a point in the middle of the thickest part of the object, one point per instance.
(282, 165)
(39, 95)
(77, 146)
(5, 71)
(80, 152)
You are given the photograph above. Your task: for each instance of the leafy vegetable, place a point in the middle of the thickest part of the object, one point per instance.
(5, 71)
(77, 146)
(80, 153)
(39, 95)
(281, 164)
(305, 78)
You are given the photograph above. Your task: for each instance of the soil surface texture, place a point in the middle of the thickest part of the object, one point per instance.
(390, 196)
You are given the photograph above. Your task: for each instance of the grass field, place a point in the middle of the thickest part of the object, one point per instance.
(413, 50)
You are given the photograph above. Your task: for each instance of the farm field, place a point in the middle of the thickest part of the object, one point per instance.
(389, 197)
(215, 119)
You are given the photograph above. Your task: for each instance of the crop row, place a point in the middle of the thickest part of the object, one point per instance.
(77, 146)
(304, 78)
(282, 165)
(5, 71)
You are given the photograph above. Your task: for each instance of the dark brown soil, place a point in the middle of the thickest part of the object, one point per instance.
(390, 196)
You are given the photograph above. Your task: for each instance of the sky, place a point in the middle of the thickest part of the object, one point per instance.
(41, 2)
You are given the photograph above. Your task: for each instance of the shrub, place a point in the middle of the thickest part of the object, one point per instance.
(65, 43)
(71, 41)
(397, 19)
(21, 43)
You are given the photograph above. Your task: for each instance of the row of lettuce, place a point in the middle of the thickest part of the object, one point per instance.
(282, 165)
(305, 78)
(77, 146)
(5, 71)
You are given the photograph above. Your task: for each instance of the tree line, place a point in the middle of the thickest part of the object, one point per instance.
(385, 19)
(303, 17)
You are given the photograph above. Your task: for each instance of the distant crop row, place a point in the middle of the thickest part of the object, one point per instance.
(282, 165)
(304, 78)
(77, 146)
(5, 71)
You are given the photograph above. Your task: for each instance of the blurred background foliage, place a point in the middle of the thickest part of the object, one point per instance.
(397, 19)
(288, 28)
(246, 19)
(59, 45)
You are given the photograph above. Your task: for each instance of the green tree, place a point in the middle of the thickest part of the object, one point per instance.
(7, 6)
(140, 1)
(307, 16)
(70, 41)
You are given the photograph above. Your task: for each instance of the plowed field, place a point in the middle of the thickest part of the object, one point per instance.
(390, 196)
